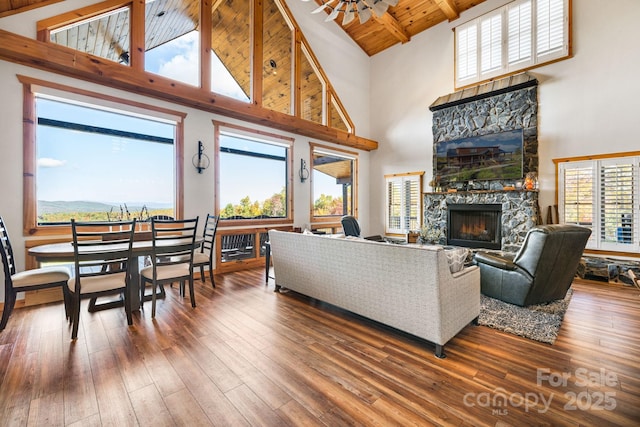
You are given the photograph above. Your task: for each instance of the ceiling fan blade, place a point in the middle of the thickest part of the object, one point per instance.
(321, 8)
(380, 8)
(364, 13)
(349, 14)
(334, 13)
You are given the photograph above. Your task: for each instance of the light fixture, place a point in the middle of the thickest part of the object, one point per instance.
(273, 67)
(200, 160)
(349, 8)
(124, 58)
(304, 172)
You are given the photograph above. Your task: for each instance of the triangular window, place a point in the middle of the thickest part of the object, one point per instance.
(250, 51)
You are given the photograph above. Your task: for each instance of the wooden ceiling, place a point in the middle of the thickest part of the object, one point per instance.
(401, 22)
(10, 7)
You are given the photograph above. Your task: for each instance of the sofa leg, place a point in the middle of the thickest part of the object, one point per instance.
(277, 289)
(475, 322)
(440, 352)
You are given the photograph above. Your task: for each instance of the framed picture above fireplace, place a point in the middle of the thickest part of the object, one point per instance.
(483, 157)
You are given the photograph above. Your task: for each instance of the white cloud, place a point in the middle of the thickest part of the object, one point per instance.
(46, 162)
(184, 67)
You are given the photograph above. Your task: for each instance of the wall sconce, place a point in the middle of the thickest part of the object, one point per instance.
(304, 172)
(200, 160)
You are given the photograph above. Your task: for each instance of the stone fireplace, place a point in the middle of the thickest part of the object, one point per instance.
(474, 225)
(518, 213)
(506, 104)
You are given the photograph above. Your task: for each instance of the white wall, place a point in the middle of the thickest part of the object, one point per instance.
(587, 104)
(329, 47)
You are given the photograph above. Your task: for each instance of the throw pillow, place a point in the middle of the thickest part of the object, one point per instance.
(456, 258)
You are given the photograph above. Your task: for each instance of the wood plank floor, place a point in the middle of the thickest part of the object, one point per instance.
(249, 356)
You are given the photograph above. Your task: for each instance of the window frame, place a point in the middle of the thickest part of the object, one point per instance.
(596, 163)
(534, 60)
(402, 178)
(260, 136)
(326, 221)
(33, 86)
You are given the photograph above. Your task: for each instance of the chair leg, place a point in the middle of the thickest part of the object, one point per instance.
(142, 290)
(9, 302)
(68, 310)
(127, 307)
(153, 299)
(76, 317)
(191, 293)
(213, 282)
(202, 273)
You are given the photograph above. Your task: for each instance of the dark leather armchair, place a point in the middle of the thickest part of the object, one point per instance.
(541, 271)
(350, 226)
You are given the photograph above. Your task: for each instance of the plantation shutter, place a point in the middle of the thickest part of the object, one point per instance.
(576, 194)
(618, 202)
(467, 52)
(551, 26)
(411, 204)
(519, 24)
(604, 196)
(491, 43)
(394, 205)
(404, 202)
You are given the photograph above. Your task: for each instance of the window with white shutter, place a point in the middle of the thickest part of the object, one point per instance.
(467, 48)
(519, 33)
(618, 182)
(552, 29)
(602, 194)
(404, 202)
(522, 34)
(490, 43)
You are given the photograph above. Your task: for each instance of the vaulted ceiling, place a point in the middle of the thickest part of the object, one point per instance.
(401, 22)
(398, 25)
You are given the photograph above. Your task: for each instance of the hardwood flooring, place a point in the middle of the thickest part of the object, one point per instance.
(249, 356)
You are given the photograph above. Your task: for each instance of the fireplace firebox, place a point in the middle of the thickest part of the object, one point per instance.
(474, 225)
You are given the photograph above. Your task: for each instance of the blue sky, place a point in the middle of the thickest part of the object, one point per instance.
(120, 170)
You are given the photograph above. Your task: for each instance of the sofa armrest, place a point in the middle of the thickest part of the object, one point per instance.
(495, 261)
(465, 271)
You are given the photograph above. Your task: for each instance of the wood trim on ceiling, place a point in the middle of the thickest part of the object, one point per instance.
(65, 61)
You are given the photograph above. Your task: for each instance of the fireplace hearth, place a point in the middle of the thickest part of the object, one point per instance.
(474, 225)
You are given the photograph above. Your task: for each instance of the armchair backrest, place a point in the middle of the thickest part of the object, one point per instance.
(350, 226)
(550, 254)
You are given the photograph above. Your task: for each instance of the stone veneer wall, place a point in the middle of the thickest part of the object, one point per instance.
(519, 212)
(506, 109)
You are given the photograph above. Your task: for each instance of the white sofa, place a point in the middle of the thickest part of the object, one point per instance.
(407, 287)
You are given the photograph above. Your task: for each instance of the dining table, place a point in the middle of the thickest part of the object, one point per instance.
(142, 247)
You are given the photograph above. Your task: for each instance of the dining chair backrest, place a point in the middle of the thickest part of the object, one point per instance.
(173, 241)
(101, 248)
(33, 279)
(209, 235)
(8, 261)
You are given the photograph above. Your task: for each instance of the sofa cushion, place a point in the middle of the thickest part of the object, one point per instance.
(456, 258)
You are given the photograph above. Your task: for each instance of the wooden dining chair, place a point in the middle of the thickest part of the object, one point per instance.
(102, 255)
(204, 256)
(28, 280)
(171, 258)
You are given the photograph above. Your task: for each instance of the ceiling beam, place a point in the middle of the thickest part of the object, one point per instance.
(63, 60)
(392, 25)
(448, 7)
